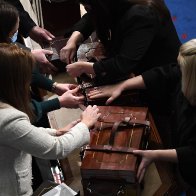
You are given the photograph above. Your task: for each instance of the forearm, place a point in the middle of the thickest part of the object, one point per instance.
(133, 83)
(76, 38)
(166, 155)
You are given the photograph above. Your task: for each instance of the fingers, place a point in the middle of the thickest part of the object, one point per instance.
(78, 120)
(75, 90)
(71, 57)
(82, 107)
(138, 152)
(140, 176)
(47, 52)
(51, 66)
(49, 34)
(95, 93)
(73, 86)
(109, 101)
(67, 55)
(79, 99)
(75, 122)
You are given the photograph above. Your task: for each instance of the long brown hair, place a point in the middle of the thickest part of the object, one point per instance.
(15, 76)
(8, 19)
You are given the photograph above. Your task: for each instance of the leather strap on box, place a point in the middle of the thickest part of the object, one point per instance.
(118, 149)
(127, 122)
(109, 148)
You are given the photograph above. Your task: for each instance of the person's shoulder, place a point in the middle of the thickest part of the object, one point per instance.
(11, 113)
(141, 10)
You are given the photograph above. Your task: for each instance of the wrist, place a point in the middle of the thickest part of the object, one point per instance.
(87, 67)
(123, 86)
(54, 87)
(76, 38)
(89, 125)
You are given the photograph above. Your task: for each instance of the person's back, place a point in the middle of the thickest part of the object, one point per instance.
(139, 35)
(19, 139)
(15, 165)
(152, 38)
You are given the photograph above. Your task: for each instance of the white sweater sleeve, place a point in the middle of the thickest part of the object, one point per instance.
(17, 132)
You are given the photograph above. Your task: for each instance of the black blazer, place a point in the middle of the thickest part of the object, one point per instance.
(141, 39)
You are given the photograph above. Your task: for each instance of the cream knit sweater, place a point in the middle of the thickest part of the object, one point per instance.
(19, 140)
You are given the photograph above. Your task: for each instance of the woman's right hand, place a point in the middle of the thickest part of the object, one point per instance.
(68, 52)
(111, 91)
(90, 116)
(71, 99)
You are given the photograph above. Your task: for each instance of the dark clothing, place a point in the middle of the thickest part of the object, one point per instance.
(167, 79)
(40, 81)
(26, 23)
(140, 39)
(43, 107)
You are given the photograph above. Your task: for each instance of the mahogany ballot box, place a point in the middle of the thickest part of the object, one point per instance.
(108, 165)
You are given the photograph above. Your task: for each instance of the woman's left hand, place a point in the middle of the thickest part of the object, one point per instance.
(71, 99)
(63, 87)
(67, 128)
(148, 156)
(44, 65)
(78, 68)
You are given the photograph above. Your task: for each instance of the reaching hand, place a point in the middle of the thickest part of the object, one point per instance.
(67, 128)
(70, 100)
(40, 35)
(147, 158)
(111, 91)
(76, 69)
(90, 116)
(62, 88)
(44, 65)
(68, 52)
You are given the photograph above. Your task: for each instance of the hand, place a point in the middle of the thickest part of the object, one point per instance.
(70, 100)
(66, 129)
(40, 35)
(147, 158)
(62, 88)
(44, 65)
(90, 116)
(68, 52)
(76, 69)
(111, 91)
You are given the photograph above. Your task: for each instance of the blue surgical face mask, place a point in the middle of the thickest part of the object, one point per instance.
(14, 37)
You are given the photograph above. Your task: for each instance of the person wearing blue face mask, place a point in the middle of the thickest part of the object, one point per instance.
(28, 26)
(9, 24)
(14, 37)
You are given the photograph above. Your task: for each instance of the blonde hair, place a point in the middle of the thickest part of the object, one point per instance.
(187, 62)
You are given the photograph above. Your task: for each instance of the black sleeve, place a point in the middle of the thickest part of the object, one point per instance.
(162, 79)
(39, 80)
(84, 26)
(137, 32)
(186, 162)
(26, 23)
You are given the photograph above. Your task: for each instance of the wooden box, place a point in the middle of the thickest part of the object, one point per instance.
(55, 46)
(109, 156)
